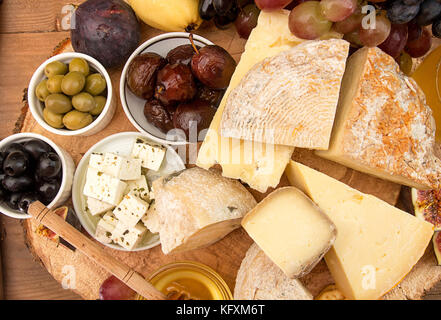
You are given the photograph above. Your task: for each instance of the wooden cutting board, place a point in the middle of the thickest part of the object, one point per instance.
(226, 255)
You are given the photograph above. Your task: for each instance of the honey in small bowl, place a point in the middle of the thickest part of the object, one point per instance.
(190, 281)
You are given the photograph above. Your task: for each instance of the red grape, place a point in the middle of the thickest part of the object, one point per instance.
(307, 22)
(396, 40)
(114, 289)
(419, 47)
(373, 37)
(272, 5)
(351, 23)
(414, 31)
(337, 10)
(247, 20)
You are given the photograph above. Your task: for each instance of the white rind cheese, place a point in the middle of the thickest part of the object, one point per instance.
(290, 98)
(292, 231)
(260, 279)
(377, 244)
(383, 126)
(195, 208)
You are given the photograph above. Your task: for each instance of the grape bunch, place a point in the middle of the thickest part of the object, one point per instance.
(243, 13)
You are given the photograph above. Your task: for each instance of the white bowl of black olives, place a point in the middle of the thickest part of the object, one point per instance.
(71, 94)
(172, 84)
(32, 167)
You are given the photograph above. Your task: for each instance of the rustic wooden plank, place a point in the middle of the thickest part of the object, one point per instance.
(20, 16)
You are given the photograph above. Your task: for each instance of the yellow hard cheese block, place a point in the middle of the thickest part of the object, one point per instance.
(377, 244)
(292, 231)
(257, 164)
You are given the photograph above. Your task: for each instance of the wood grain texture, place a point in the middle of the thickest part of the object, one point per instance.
(27, 36)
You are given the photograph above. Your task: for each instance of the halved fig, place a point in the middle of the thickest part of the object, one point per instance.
(427, 206)
(437, 246)
(46, 232)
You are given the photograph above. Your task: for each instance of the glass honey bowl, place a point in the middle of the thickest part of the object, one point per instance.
(187, 280)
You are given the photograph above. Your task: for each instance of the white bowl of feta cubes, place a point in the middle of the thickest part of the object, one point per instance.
(112, 192)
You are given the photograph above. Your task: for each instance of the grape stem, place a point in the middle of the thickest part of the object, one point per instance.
(192, 43)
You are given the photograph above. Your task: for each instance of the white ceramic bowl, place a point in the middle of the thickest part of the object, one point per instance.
(68, 167)
(120, 143)
(36, 106)
(134, 106)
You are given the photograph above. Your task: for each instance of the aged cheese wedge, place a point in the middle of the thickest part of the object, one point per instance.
(292, 231)
(259, 165)
(195, 208)
(383, 126)
(260, 279)
(377, 244)
(290, 98)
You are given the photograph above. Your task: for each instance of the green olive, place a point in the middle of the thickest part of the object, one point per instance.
(54, 83)
(55, 120)
(100, 103)
(54, 68)
(80, 65)
(41, 90)
(73, 83)
(83, 102)
(95, 84)
(75, 120)
(58, 103)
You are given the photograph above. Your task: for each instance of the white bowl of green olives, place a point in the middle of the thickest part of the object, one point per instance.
(71, 94)
(33, 167)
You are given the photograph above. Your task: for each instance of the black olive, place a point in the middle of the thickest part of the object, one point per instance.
(25, 200)
(49, 165)
(17, 184)
(36, 148)
(48, 190)
(16, 163)
(3, 194)
(2, 158)
(13, 200)
(14, 147)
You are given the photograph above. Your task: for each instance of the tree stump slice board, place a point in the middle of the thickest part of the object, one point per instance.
(226, 255)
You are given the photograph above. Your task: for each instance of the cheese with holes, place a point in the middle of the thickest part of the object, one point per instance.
(383, 126)
(377, 244)
(195, 208)
(292, 231)
(257, 164)
(290, 98)
(259, 278)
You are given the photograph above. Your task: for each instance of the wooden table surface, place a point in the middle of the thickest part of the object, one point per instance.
(29, 30)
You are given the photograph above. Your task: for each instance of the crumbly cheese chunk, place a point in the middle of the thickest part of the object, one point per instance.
(139, 188)
(105, 227)
(121, 167)
(97, 207)
(131, 210)
(103, 187)
(151, 155)
(128, 238)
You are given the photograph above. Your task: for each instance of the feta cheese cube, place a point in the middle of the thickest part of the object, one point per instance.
(121, 167)
(151, 220)
(96, 161)
(128, 238)
(139, 188)
(151, 155)
(97, 207)
(105, 228)
(131, 210)
(103, 187)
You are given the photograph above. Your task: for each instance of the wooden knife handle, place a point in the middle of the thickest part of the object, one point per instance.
(95, 252)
